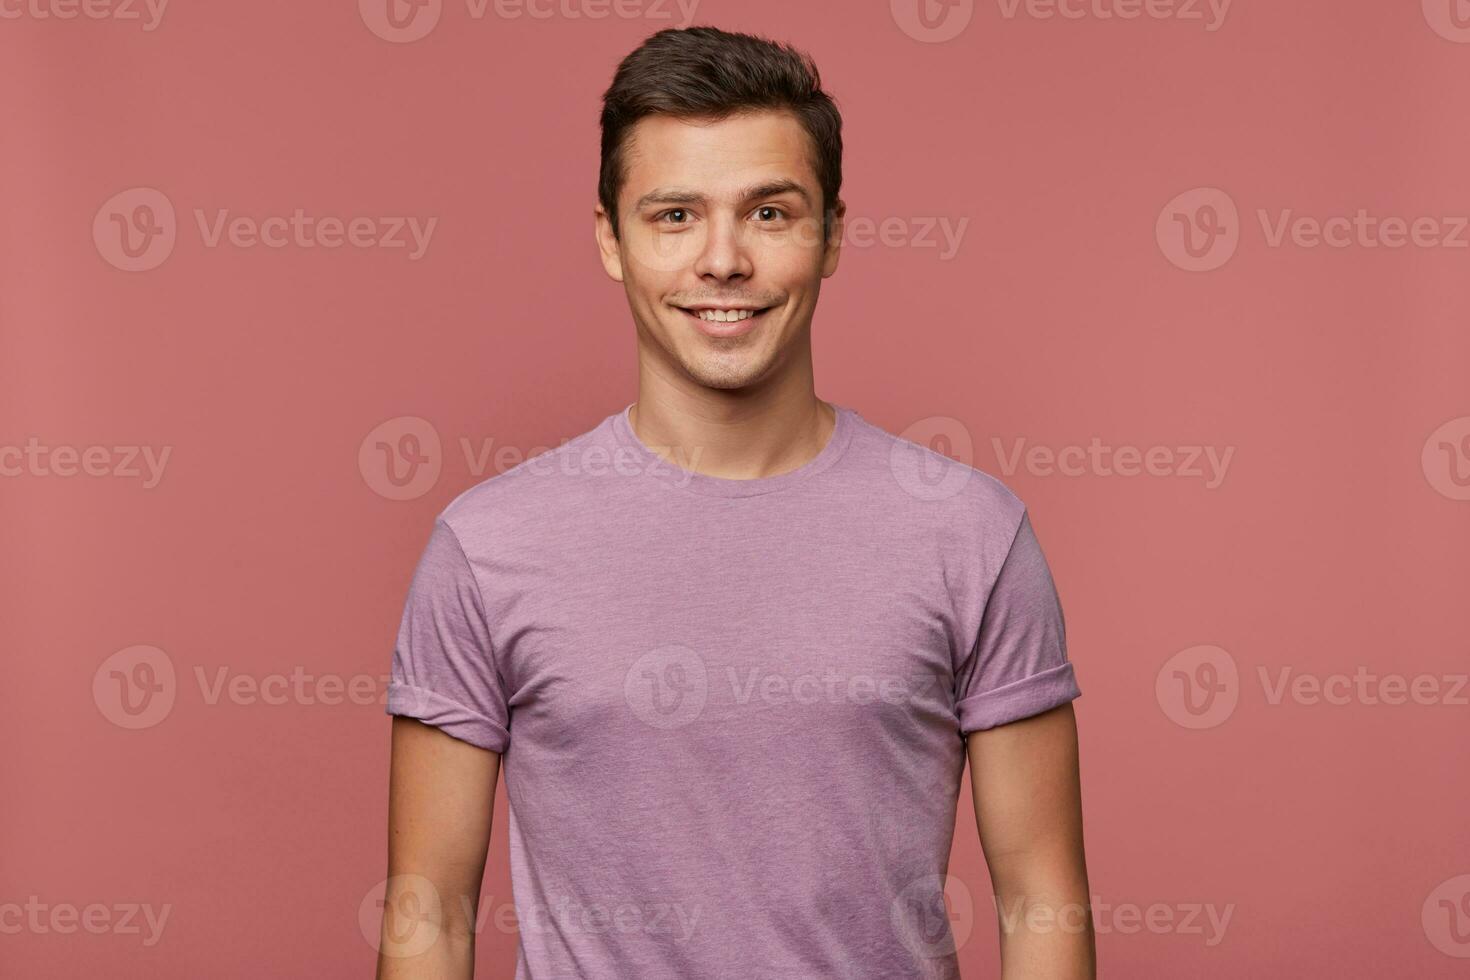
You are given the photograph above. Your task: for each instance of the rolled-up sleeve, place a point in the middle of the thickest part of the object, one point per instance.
(1018, 665)
(443, 670)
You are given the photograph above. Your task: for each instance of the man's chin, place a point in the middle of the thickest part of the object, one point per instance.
(726, 373)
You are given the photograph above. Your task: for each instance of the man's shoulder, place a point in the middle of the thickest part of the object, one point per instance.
(938, 502)
(927, 472)
(533, 491)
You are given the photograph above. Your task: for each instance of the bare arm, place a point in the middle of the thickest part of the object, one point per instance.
(440, 801)
(1028, 805)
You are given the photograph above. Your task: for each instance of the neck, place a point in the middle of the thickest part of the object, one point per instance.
(743, 434)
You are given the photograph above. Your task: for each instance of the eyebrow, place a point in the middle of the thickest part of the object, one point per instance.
(679, 195)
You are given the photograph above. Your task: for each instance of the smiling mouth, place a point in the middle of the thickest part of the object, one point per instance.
(724, 315)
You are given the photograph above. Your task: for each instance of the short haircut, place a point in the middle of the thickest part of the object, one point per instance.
(707, 73)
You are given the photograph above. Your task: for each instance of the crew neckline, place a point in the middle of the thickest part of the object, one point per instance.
(654, 465)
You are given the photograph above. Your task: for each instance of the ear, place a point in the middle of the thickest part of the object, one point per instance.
(607, 245)
(832, 248)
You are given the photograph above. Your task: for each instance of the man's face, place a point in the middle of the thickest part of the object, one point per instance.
(721, 220)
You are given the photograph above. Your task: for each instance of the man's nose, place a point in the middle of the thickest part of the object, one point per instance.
(726, 252)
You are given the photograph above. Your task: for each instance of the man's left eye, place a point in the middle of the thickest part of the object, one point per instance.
(775, 210)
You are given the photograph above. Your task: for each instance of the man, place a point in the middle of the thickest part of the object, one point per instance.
(734, 643)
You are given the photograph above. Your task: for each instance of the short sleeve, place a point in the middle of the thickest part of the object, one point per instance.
(1018, 665)
(443, 672)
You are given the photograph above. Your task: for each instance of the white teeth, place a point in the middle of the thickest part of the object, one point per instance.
(724, 316)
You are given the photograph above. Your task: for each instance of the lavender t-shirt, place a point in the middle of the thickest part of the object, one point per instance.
(731, 712)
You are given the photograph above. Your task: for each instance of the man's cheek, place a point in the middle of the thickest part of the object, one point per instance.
(804, 234)
(659, 253)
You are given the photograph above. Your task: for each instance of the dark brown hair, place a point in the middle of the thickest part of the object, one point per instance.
(707, 73)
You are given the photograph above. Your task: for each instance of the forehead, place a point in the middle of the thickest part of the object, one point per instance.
(717, 158)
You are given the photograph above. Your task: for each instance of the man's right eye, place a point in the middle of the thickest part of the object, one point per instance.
(672, 211)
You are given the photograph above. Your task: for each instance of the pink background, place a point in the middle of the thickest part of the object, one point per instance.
(1333, 835)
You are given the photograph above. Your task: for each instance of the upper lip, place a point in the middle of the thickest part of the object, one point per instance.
(727, 307)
